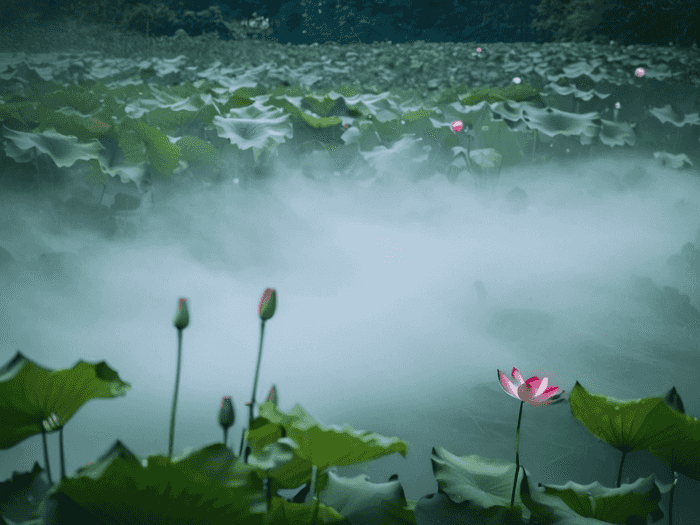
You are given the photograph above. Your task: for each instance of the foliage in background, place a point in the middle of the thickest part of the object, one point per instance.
(654, 22)
(624, 21)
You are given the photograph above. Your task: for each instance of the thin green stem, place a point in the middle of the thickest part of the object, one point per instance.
(252, 397)
(517, 455)
(673, 488)
(46, 453)
(177, 387)
(619, 473)
(315, 492)
(63, 457)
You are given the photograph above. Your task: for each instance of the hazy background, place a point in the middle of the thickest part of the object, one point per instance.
(378, 323)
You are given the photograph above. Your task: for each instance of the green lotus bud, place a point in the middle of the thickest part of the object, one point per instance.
(226, 414)
(268, 302)
(182, 319)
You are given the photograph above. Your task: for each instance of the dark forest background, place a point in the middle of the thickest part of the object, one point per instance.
(653, 22)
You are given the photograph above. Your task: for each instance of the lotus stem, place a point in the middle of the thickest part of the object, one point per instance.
(182, 320)
(619, 473)
(255, 386)
(46, 454)
(171, 437)
(517, 455)
(266, 309)
(315, 491)
(63, 456)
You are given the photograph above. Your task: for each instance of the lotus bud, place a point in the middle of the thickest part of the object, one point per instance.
(226, 413)
(268, 302)
(272, 396)
(182, 319)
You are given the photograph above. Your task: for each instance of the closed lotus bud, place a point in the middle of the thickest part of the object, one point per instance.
(268, 302)
(182, 319)
(272, 396)
(226, 414)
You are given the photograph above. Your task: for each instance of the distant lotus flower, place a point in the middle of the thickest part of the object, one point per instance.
(616, 110)
(456, 127)
(182, 319)
(268, 302)
(478, 50)
(639, 72)
(516, 80)
(532, 391)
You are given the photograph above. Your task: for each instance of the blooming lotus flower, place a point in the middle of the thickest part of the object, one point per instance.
(456, 126)
(532, 391)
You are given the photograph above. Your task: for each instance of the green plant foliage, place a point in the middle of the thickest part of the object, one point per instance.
(514, 92)
(196, 149)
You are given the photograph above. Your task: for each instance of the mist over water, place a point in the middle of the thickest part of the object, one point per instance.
(379, 323)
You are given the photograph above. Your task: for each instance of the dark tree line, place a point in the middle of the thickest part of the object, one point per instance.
(305, 21)
(624, 21)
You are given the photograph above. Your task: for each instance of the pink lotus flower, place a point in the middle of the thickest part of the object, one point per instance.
(532, 391)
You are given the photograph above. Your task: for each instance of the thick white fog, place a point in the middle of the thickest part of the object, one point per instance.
(379, 323)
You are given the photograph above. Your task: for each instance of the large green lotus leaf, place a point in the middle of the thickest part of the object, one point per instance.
(484, 483)
(29, 394)
(641, 424)
(312, 444)
(594, 504)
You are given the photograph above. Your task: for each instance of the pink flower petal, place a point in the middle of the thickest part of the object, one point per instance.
(518, 376)
(541, 387)
(507, 386)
